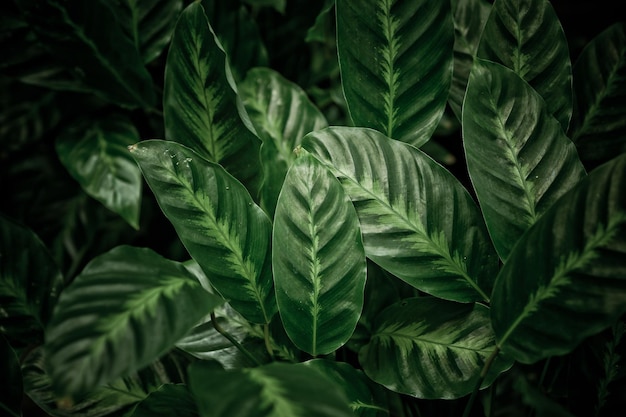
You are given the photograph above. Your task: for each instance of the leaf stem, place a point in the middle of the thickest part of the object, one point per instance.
(479, 382)
(234, 341)
(268, 342)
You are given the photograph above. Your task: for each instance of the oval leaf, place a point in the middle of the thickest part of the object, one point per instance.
(526, 37)
(431, 348)
(125, 309)
(318, 259)
(217, 221)
(518, 157)
(395, 59)
(566, 278)
(417, 220)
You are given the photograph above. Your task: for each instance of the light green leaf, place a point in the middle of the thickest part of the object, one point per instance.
(396, 61)
(127, 307)
(431, 348)
(274, 390)
(96, 155)
(318, 259)
(217, 221)
(11, 394)
(417, 220)
(169, 400)
(200, 102)
(282, 114)
(566, 278)
(526, 37)
(518, 157)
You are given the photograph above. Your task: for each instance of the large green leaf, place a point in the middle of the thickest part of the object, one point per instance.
(526, 36)
(96, 155)
(91, 44)
(11, 394)
(417, 220)
(566, 278)
(598, 125)
(518, 157)
(318, 259)
(127, 307)
(274, 390)
(200, 102)
(431, 348)
(396, 64)
(169, 400)
(217, 221)
(282, 114)
(30, 282)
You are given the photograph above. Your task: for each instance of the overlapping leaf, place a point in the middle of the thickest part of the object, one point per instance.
(318, 259)
(431, 348)
(566, 278)
(526, 36)
(417, 220)
(11, 395)
(128, 307)
(217, 221)
(396, 61)
(168, 400)
(518, 157)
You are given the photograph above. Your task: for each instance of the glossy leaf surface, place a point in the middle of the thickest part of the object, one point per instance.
(217, 221)
(417, 220)
(396, 61)
(431, 348)
(318, 259)
(96, 155)
(518, 157)
(566, 278)
(274, 390)
(109, 322)
(282, 114)
(200, 103)
(526, 36)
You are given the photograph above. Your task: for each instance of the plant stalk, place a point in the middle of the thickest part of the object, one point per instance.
(234, 341)
(481, 378)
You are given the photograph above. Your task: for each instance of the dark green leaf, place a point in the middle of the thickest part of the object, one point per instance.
(566, 278)
(518, 157)
(169, 400)
(11, 395)
(279, 5)
(217, 221)
(396, 64)
(318, 259)
(417, 220)
(128, 307)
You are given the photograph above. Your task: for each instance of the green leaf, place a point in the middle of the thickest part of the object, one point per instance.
(282, 114)
(200, 103)
(417, 220)
(96, 155)
(528, 38)
(11, 394)
(566, 278)
(169, 400)
(598, 125)
(431, 348)
(274, 390)
(217, 221)
(88, 40)
(318, 259)
(30, 282)
(127, 307)
(396, 61)
(519, 160)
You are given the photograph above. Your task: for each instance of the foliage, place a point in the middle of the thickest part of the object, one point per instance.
(291, 208)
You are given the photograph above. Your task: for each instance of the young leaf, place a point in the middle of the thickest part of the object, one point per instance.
(200, 102)
(396, 61)
(518, 157)
(11, 395)
(318, 259)
(96, 155)
(431, 348)
(417, 220)
(127, 307)
(217, 221)
(282, 114)
(526, 36)
(598, 125)
(566, 277)
(274, 390)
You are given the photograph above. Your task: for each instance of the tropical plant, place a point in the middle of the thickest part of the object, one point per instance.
(353, 208)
